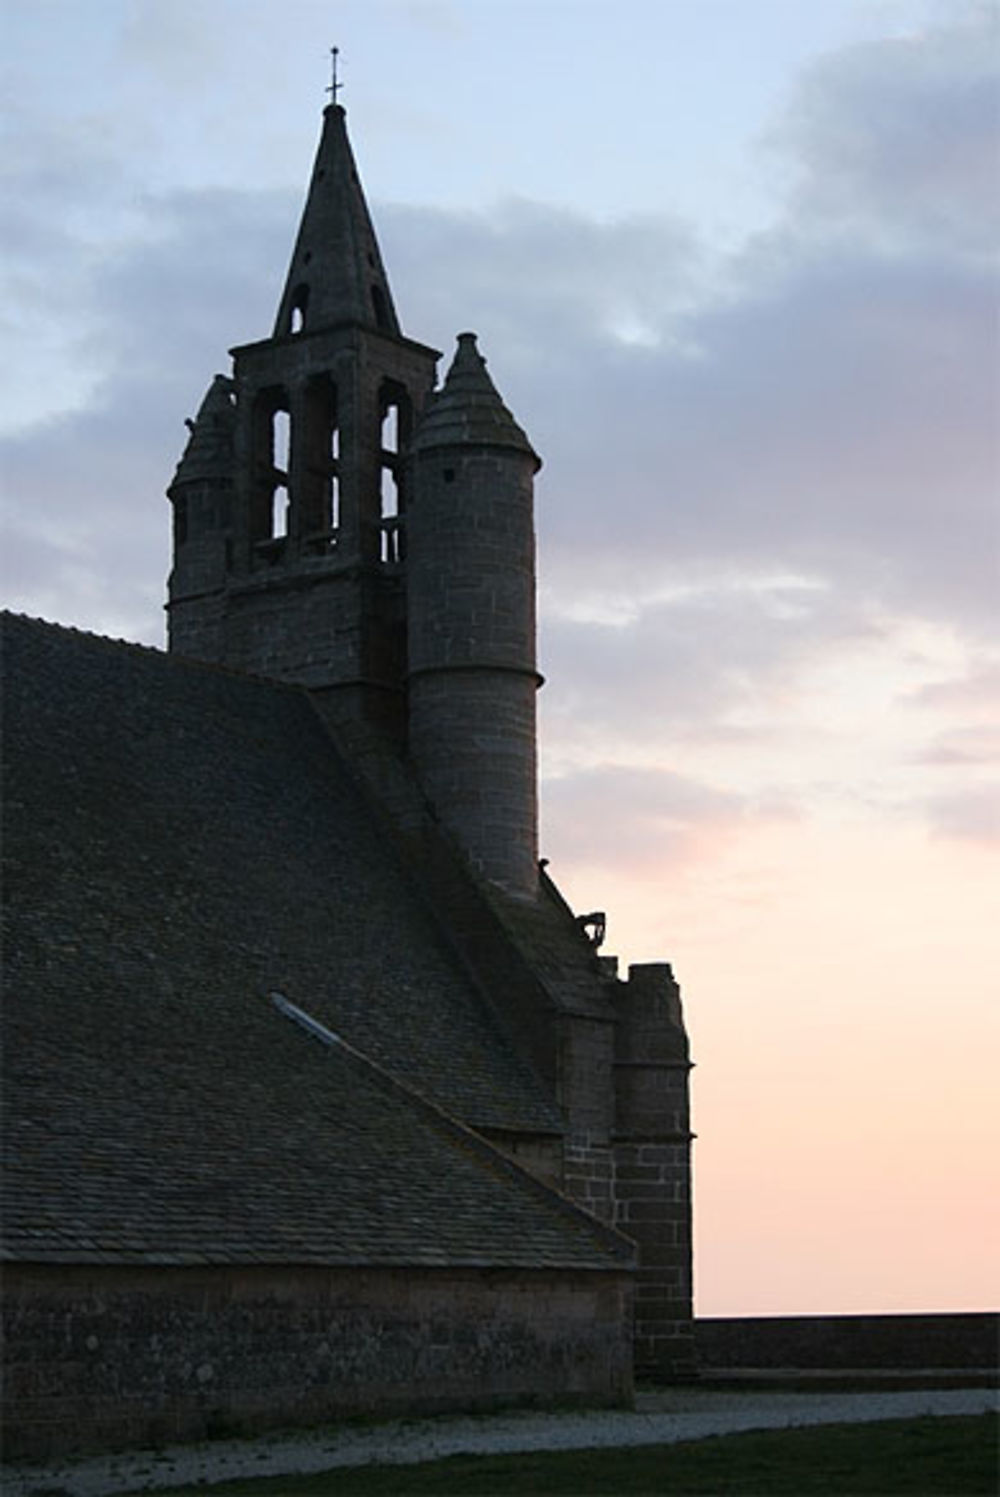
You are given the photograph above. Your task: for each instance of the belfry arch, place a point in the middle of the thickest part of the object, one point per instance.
(395, 431)
(270, 495)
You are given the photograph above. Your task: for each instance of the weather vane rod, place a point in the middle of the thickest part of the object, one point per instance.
(335, 85)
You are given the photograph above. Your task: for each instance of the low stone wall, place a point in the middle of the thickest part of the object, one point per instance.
(849, 1342)
(107, 1357)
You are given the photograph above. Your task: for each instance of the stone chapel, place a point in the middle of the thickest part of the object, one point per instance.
(320, 1099)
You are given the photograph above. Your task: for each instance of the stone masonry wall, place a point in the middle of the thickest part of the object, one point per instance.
(471, 628)
(653, 1166)
(653, 1207)
(956, 1342)
(302, 626)
(105, 1357)
(472, 738)
(590, 1176)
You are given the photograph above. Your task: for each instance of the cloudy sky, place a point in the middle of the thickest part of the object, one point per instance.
(733, 263)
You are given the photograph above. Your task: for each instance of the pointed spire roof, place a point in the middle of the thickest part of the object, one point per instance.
(209, 450)
(336, 274)
(468, 410)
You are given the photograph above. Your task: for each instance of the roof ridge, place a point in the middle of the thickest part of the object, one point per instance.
(134, 646)
(14, 616)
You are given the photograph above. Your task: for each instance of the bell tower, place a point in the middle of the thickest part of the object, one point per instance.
(305, 582)
(341, 524)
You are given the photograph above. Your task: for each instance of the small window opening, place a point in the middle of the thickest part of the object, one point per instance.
(279, 514)
(334, 493)
(448, 475)
(395, 429)
(390, 495)
(391, 535)
(297, 316)
(388, 481)
(281, 438)
(271, 442)
(180, 521)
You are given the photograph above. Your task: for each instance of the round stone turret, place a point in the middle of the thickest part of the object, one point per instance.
(201, 493)
(209, 450)
(471, 623)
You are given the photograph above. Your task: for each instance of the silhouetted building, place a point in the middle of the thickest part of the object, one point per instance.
(320, 1098)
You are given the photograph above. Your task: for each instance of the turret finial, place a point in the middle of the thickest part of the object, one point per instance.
(335, 84)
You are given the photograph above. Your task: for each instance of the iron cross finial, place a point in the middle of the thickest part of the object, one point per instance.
(335, 85)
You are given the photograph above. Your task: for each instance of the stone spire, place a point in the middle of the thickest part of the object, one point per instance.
(468, 410)
(336, 275)
(289, 552)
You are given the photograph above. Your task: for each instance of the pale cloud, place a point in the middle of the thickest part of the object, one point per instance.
(719, 663)
(977, 692)
(972, 815)
(972, 745)
(659, 817)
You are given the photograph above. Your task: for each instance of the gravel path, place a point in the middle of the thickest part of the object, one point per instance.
(680, 1414)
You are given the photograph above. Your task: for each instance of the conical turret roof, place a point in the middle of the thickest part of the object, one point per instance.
(468, 410)
(209, 450)
(336, 274)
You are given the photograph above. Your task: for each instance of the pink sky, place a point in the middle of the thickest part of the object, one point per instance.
(839, 986)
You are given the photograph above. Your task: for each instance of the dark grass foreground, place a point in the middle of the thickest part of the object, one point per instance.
(932, 1457)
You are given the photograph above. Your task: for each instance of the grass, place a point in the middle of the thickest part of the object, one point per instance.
(929, 1457)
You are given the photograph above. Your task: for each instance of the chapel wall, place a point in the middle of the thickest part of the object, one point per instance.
(110, 1357)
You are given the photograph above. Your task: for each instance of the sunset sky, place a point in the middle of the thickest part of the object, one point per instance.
(733, 265)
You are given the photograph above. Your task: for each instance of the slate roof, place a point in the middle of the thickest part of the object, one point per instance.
(302, 1154)
(182, 842)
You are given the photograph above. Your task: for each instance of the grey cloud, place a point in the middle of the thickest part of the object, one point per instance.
(85, 516)
(899, 137)
(840, 425)
(683, 666)
(540, 282)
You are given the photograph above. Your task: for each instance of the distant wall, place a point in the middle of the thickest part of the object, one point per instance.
(831, 1342)
(107, 1357)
